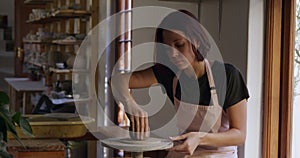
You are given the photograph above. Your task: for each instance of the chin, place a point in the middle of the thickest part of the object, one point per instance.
(182, 66)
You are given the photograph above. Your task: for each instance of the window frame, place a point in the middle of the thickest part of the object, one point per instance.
(278, 79)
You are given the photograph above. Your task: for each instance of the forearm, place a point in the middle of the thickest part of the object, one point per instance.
(121, 83)
(120, 88)
(236, 135)
(232, 137)
(228, 138)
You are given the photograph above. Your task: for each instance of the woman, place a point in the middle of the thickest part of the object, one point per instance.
(183, 46)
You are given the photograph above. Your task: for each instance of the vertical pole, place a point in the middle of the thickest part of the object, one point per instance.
(124, 42)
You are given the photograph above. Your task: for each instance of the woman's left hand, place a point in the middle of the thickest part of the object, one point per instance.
(190, 142)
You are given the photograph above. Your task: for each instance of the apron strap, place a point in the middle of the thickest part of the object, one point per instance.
(209, 75)
(175, 81)
(213, 92)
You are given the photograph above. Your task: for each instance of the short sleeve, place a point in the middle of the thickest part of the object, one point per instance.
(165, 77)
(236, 87)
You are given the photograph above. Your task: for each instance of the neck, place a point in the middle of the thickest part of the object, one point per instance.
(196, 70)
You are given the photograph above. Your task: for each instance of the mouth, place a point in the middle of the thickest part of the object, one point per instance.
(179, 63)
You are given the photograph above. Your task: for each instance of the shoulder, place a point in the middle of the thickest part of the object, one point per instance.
(225, 68)
(231, 68)
(164, 77)
(236, 89)
(162, 72)
(233, 74)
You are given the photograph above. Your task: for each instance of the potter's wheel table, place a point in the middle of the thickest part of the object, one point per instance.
(137, 147)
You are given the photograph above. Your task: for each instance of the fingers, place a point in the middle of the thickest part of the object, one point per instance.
(146, 126)
(132, 127)
(189, 145)
(143, 128)
(139, 126)
(183, 148)
(181, 137)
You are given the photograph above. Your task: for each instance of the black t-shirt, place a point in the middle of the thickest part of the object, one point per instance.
(230, 85)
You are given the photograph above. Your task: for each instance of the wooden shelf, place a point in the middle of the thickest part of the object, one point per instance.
(59, 42)
(70, 13)
(65, 42)
(37, 2)
(40, 20)
(80, 71)
(66, 71)
(60, 71)
(69, 100)
(37, 41)
(61, 15)
(36, 64)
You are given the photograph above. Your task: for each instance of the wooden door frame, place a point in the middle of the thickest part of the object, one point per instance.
(287, 78)
(278, 79)
(22, 11)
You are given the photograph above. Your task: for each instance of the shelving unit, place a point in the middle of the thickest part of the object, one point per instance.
(56, 19)
(61, 21)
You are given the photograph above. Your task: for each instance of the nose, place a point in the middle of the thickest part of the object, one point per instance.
(173, 52)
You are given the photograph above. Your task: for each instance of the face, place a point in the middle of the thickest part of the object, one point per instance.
(180, 49)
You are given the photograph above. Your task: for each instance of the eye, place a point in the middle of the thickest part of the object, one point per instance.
(179, 45)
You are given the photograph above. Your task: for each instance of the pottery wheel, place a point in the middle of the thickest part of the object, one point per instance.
(145, 142)
(131, 145)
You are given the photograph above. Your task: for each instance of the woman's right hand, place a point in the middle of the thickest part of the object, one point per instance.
(120, 83)
(139, 128)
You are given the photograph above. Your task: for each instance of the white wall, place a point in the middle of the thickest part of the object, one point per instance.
(232, 40)
(147, 35)
(255, 78)
(193, 7)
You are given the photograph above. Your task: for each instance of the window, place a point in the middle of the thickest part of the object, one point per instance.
(296, 86)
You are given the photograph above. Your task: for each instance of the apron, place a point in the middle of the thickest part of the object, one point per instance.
(212, 119)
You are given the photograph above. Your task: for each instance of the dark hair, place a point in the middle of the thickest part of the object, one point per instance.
(186, 22)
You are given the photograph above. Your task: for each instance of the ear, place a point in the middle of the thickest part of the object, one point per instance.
(196, 43)
(197, 49)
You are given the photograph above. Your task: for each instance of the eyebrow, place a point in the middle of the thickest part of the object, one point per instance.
(177, 40)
